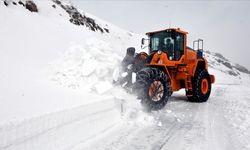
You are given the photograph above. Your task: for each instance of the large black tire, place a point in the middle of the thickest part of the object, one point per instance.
(153, 87)
(201, 87)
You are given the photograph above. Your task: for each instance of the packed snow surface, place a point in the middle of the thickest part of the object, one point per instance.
(57, 92)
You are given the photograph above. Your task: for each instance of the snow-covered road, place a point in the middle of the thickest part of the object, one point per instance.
(220, 124)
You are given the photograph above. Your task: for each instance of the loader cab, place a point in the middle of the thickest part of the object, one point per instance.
(171, 41)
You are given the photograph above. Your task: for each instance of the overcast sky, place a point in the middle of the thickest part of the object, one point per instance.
(224, 25)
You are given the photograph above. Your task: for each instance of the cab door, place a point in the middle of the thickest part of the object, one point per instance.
(178, 56)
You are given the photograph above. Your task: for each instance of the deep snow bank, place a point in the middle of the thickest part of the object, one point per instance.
(30, 42)
(86, 66)
(56, 78)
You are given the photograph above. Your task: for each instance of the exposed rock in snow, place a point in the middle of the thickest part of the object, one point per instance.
(31, 6)
(75, 16)
(219, 62)
(241, 68)
(6, 3)
(28, 4)
(20, 3)
(80, 19)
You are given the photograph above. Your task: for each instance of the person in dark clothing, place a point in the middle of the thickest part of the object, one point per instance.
(169, 47)
(128, 60)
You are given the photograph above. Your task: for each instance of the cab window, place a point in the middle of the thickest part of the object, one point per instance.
(155, 44)
(170, 42)
(179, 46)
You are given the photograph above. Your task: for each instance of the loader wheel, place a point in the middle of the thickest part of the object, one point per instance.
(201, 87)
(153, 87)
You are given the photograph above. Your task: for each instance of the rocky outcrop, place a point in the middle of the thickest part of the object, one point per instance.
(31, 6)
(232, 68)
(76, 17)
(241, 68)
(80, 19)
(28, 4)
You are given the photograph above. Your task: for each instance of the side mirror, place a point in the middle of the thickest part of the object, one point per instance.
(142, 41)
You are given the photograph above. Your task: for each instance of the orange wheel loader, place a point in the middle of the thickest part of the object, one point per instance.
(169, 66)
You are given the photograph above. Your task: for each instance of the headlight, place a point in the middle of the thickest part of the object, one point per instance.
(159, 52)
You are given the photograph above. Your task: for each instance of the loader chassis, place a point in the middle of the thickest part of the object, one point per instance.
(171, 66)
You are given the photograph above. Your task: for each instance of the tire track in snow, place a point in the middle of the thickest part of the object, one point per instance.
(234, 109)
(107, 129)
(166, 136)
(114, 140)
(183, 125)
(156, 137)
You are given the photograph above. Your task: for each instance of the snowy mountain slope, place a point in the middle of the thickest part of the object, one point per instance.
(221, 64)
(30, 41)
(56, 90)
